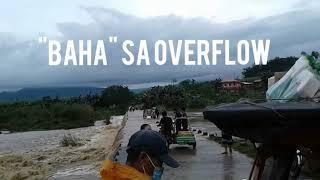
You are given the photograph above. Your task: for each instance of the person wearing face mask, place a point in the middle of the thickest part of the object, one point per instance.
(147, 151)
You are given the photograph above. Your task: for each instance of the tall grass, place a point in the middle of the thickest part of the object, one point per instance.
(38, 116)
(70, 140)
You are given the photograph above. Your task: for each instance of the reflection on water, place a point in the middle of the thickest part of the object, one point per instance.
(228, 167)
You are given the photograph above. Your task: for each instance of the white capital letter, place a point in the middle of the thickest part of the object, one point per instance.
(83, 52)
(100, 54)
(188, 52)
(227, 54)
(260, 51)
(215, 51)
(175, 56)
(125, 45)
(143, 53)
(203, 53)
(70, 54)
(162, 44)
(246, 59)
(53, 52)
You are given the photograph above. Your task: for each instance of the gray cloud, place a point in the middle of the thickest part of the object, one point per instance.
(24, 63)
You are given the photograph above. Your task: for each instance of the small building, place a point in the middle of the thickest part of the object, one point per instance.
(258, 83)
(247, 85)
(231, 86)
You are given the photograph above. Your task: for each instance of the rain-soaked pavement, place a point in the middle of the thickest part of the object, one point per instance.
(206, 162)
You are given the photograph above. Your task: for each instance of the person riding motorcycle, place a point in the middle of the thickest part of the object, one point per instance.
(166, 125)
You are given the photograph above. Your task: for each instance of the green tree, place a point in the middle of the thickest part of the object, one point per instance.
(116, 95)
(275, 65)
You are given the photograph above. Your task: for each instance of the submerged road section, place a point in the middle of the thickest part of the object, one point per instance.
(206, 162)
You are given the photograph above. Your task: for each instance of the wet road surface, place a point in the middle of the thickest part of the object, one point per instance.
(206, 162)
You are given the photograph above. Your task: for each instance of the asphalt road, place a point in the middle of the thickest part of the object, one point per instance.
(206, 162)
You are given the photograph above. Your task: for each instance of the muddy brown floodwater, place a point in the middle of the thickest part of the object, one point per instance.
(39, 155)
(206, 162)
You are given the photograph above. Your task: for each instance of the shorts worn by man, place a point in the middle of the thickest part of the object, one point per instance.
(147, 151)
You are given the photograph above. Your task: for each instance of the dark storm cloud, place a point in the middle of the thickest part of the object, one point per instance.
(25, 63)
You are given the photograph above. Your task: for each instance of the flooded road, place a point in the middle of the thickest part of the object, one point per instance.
(82, 163)
(206, 162)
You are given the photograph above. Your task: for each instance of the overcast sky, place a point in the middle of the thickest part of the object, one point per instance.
(292, 25)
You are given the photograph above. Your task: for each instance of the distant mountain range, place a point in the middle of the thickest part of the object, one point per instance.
(33, 94)
(137, 91)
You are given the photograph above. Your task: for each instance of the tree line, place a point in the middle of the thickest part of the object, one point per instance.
(65, 113)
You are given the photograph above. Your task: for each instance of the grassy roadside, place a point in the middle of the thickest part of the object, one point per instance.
(242, 146)
(26, 117)
(38, 116)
